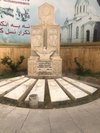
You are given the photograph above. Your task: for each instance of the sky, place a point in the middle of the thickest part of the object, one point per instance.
(63, 9)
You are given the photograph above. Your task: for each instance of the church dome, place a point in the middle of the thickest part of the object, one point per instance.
(85, 7)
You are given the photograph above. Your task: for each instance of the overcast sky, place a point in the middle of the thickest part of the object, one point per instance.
(63, 9)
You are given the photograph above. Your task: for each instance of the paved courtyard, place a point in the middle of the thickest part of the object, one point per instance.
(79, 119)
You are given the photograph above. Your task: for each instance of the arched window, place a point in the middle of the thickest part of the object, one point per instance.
(77, 32)
(77, 10)
(84, 8)
(80, 9)
(88, 35)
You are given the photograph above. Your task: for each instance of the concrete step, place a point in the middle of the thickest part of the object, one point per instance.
(82, 86)
(17, 93)
(72, 90)
(38, 89)
(56, 93)
(7, 88)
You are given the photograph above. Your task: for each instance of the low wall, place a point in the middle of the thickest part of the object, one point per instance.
(88, 54)
(14, 52)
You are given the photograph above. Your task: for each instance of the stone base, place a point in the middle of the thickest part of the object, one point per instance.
(45, 68)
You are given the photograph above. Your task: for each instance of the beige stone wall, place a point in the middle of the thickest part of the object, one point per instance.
(89, 55)
(14, 51)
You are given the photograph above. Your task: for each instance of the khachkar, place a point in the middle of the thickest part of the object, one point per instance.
(45, 45)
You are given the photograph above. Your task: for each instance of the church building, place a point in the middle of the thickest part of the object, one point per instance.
(84, 27)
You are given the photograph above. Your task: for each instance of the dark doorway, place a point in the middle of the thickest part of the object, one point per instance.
(87, 35)
(98, 1)
(95, 36)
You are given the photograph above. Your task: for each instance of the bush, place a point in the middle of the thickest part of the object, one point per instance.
(80, 70)
(12, 65)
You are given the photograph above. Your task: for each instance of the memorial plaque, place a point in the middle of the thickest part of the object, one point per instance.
(44, 66)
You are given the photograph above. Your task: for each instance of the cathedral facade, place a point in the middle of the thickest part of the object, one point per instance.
(84, 27)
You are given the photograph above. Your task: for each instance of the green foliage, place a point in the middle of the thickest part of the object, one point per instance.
(13, 66)
(80, 70)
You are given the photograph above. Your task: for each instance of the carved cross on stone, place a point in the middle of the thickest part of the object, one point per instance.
(45, 39)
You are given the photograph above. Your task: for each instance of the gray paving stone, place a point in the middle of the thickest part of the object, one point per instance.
(97, 102)
(13, 122)
(36, 122)
(86, 121)
(5, 110)
(68, 120)
(61, 122)
(92, 109)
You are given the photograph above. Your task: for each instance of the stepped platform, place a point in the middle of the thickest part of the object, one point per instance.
(51, 92)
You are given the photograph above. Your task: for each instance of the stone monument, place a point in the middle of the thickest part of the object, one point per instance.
(45, 45)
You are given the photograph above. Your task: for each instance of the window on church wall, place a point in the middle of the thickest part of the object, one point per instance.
(77, 32)
(80, 9)
(84, 8)
(77, 10)
(88, 35)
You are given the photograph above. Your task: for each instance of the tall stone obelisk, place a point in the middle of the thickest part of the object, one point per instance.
(45, 45)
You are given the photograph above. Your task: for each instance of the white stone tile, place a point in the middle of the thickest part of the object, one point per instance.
(15, 78)
(81, 85)
(56, 93)
(7, 87)
(19, 91)
(38, 89)
(6, 81)
(74, 91)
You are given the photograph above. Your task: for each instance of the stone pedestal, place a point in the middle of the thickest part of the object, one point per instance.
(45, 45)
(48, 68)
(57, 66)
(32, 66)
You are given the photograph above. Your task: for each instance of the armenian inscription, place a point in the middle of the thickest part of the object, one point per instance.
(44, 67)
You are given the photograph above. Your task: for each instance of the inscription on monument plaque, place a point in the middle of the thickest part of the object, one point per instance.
(44, 67)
